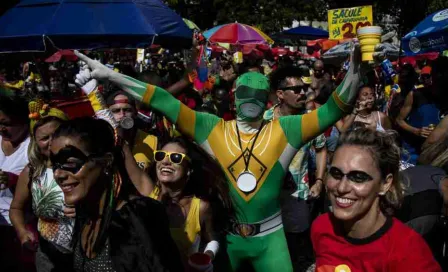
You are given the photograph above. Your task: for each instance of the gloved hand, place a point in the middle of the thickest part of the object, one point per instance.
(98, 70)
(352, 80)
(85, 81)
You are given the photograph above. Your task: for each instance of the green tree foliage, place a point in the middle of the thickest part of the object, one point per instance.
(270, 16)
(436, 5)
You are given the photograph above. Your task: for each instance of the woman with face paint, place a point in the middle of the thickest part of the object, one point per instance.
(115, 230)
(364, 188)
(36, 184)
(253, 154)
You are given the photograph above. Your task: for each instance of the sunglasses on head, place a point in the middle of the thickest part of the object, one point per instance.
(174, 157)
(78, 159)
(295, 89)
(354, 176)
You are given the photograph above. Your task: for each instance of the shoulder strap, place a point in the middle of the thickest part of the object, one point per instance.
(193, 217)
(155, 193)
(379, 118)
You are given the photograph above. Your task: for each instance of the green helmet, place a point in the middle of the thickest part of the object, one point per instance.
(251, 96)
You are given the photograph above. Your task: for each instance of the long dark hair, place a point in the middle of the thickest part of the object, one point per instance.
(207, 181)
(99, 138)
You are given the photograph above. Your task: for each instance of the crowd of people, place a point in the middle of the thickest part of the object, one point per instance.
(273, 164)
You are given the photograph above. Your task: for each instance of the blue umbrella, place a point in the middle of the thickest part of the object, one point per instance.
(91, 24)
(302, 32)
(430, 35)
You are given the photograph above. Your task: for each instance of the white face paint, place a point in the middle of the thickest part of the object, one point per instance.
(251, 110)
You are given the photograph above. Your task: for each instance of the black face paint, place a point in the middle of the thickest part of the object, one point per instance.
(60, 160)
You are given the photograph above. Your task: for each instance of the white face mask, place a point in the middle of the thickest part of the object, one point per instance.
(250, 110)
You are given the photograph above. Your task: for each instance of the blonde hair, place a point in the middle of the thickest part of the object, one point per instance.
(38, 162)
(435, 154)
(385, 151)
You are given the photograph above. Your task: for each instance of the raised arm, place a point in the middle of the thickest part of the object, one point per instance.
(310, 125)
(190, 123)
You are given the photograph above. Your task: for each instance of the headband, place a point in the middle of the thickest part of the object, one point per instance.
(39, 110)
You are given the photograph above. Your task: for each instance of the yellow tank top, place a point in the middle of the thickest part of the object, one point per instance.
(187, 238)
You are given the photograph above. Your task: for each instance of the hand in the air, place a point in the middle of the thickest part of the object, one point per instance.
(85, 81)
(98, 70)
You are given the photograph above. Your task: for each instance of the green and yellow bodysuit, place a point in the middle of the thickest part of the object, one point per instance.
(255, 160)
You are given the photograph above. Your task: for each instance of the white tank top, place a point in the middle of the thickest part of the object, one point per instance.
(379, 126)
(13, 164)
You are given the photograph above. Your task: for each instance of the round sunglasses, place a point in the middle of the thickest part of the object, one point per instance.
(354, 176)
(174, 157)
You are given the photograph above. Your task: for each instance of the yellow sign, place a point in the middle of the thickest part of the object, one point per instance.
(343, 23)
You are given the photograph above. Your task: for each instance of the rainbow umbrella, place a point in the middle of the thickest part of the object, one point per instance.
(237, 33)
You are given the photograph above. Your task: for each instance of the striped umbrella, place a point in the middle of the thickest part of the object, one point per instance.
(237, 33)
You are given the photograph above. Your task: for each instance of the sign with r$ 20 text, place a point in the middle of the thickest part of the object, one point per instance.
(343, 23)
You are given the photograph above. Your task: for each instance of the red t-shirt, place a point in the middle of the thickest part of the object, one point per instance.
(394, 247)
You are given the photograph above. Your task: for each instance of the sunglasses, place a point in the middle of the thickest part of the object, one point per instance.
(61, 159)
(175, 157)
(295, 89)
(354, 176)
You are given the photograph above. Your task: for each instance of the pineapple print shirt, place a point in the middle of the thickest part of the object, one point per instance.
(48, 205)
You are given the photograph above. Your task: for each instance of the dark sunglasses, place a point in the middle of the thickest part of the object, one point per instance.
(355, 176)
(60, 160)
(174, 157)
(295, 89)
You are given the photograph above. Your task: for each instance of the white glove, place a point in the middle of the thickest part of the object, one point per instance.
(99, 71)
(85, 81)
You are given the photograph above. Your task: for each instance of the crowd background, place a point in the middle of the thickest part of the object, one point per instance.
(97, 174)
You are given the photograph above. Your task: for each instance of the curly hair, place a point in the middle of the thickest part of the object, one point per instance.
(385, 151)
(207, 182)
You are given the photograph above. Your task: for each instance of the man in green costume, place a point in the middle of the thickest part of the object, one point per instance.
(254, 154)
